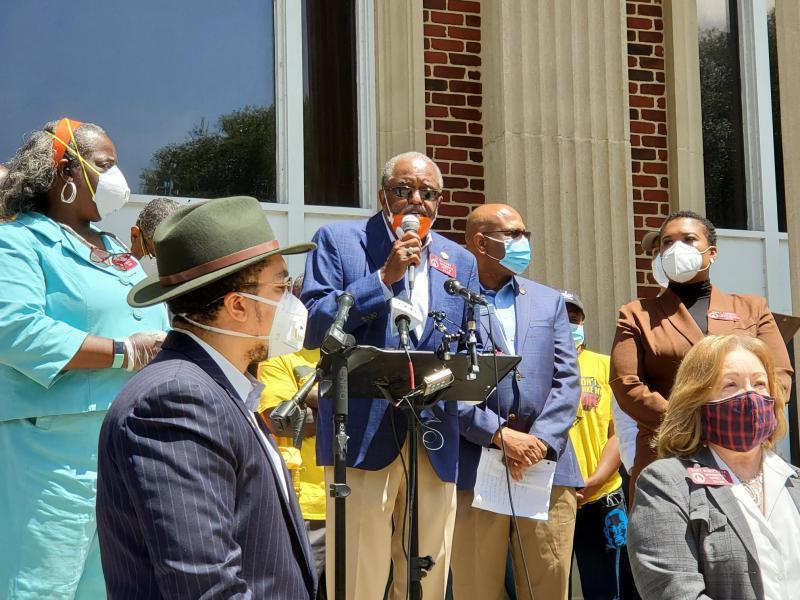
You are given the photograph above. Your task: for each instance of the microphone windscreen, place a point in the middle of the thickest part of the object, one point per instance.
(410, 222)
(452, 287)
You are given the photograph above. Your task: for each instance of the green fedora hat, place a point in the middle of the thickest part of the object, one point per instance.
(205, 241)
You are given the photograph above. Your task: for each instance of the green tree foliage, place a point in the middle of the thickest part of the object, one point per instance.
(723, 155)
(236, 158)
(776, 118)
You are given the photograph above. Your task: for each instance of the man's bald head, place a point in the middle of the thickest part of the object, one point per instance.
(489, 228)
(489, 217)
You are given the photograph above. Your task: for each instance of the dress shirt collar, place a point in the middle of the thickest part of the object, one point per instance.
(776, 470)
(247, 388)
(505, 291)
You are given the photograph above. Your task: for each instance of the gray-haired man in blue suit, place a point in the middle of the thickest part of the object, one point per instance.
(193, 498)
(537, 405)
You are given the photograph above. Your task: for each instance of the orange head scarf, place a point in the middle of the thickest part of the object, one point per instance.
(63, 136)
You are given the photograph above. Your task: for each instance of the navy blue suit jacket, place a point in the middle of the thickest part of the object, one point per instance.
(541, 395)
(188, 501)
(348, 257)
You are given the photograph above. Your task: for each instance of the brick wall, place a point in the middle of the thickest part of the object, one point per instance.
(648, 128)
(453, 115)
(453, 107)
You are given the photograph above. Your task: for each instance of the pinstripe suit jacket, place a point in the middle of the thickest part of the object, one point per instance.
(188, 502)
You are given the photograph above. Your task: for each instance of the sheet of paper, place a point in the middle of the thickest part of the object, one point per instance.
(531, 496)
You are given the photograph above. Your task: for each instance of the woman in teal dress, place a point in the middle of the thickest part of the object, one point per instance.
(68, 343)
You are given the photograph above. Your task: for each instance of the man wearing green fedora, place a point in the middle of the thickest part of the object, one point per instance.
(193, 499)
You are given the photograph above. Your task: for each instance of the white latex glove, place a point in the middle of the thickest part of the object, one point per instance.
(142, 347)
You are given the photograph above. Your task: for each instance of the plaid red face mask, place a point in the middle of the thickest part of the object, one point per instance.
(739, 423)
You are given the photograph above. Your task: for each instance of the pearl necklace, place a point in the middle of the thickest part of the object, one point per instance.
(755, 487)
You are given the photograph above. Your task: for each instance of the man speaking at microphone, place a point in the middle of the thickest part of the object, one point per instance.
(371, 260)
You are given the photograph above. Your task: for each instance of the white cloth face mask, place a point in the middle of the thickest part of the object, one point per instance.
(681, 262)
(288, 325)
(658, 273)
(112, 191)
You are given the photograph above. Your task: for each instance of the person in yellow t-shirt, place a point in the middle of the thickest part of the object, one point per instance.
(282, 376)
(600, 525)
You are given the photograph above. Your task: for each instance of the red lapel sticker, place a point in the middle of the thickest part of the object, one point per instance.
(718, 315)
(709, 476)
(124, 262)
(442, 265)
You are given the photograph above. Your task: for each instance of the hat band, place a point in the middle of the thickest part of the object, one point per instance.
(218, 263)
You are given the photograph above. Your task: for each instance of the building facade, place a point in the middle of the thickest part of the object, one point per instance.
(594, 118)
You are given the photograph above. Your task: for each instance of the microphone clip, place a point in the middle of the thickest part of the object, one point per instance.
(443, 351)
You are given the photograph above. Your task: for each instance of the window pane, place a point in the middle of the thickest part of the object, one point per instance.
(720, 95)
(330, 112)
(780, 190)
(185, 89)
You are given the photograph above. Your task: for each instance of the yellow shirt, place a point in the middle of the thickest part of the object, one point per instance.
(590, 432)
(280, 383)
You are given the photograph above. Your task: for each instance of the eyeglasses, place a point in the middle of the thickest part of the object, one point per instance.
(405, 192)
(118, 260)
(285, 283)
(100, 256)
(513, 233)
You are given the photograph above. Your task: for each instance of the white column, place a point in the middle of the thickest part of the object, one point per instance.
(557, 143)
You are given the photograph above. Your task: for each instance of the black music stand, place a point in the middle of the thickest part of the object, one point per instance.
(373, 372)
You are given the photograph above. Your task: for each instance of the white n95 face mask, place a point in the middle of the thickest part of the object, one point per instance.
(112, 191)
(657, 270)
(288, 325)
(681, 262)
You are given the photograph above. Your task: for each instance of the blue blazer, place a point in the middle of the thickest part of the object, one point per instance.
(541, 395)
(348, 257)
(188, 502)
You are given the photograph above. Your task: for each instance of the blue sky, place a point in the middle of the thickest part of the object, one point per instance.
(147, 70)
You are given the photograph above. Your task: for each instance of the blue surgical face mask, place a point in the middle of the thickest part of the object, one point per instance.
(518, 254)
(577, 334)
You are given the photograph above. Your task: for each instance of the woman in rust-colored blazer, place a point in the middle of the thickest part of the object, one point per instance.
(653, 335)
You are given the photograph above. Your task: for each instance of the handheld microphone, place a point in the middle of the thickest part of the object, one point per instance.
(456, 288)
(410, 222)
(336, 339)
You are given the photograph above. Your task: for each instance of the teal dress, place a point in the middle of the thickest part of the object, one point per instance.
(51, 297)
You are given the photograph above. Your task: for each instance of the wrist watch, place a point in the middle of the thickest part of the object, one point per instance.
(119, 354)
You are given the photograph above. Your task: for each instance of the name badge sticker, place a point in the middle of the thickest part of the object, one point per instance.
(442, 265)
(718, 315)
(709, 476)
(124, 263)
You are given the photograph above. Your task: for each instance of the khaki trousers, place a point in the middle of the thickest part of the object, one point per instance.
(481, 543)
(375, 536)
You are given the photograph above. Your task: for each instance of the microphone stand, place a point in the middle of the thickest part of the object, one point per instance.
(472, 343)
(443, 351)
(335, 348)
